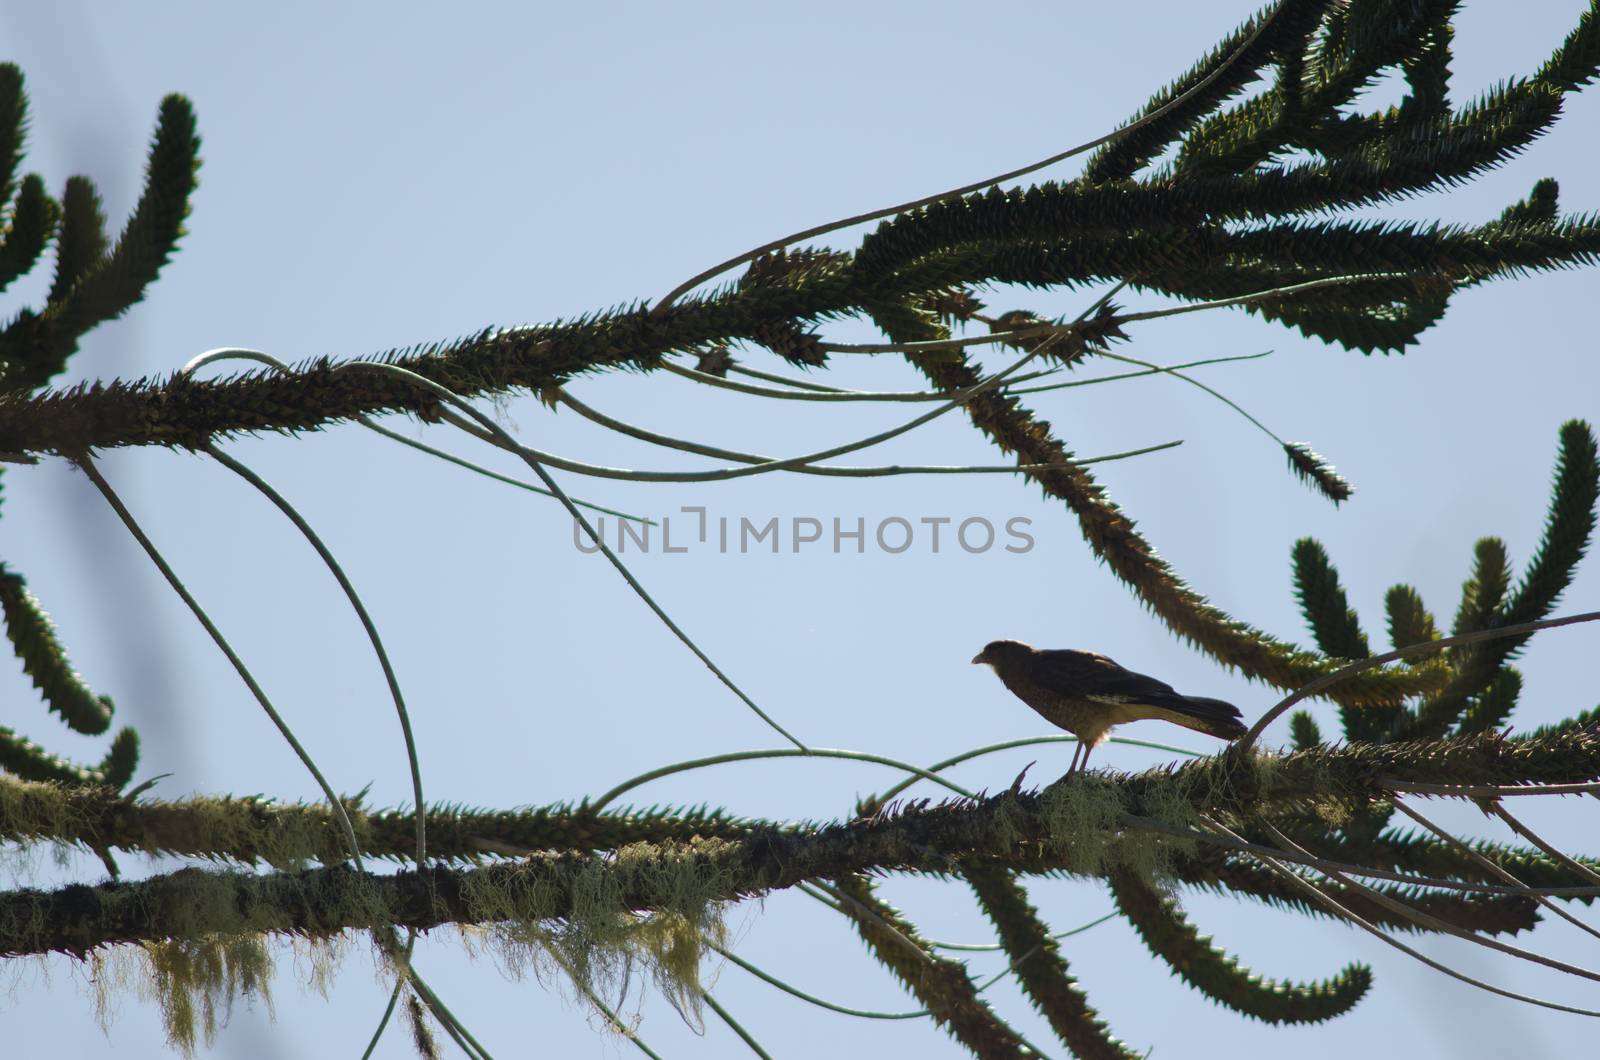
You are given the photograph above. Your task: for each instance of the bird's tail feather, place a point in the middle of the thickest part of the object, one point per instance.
(1211, 716)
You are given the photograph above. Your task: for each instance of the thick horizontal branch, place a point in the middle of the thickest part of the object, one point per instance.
(290, 834)
(287, 835)
(1075, 826)
(186, 413)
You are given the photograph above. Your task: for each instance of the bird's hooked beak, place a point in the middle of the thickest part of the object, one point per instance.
(978, 658)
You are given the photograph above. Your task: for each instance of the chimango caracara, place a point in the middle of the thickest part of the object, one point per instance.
(1087, 694)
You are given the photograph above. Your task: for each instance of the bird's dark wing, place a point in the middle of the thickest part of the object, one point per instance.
(1084, 673)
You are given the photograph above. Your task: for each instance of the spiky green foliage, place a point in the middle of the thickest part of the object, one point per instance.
(1337, 630)
(1409, 621)
(33, 221)
(942, 985)
(1482, 688)
(33, 637)
(1169, 935)
(1483, 594)
(1041, 969)
(1281, 32)
(1568, 529)
(23, 758)
(1577, 61)
(1304, 732)
(82, 241)
(92, 284)
(1490, 708)
(1322, 600)
(13, 125)
(1488, 603)
(1315, 469)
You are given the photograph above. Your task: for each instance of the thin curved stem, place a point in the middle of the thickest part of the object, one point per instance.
(86, 463)
(1425, 647)
(734, 1025)
(801, 384)
(865, 912)
(1175, 373)
(497, 436)
(1537, 840)
(836, 394)
(832, 226)
(701, 449)
(367, 624)
(1026, 741)
(400, 979)
(846, 1010)
(383, 1021)
(765, 465)
(1153, 369)
(1492, 868)
(841, 900)
(795, 991)
(605, 1009)
(831, 394)
(388, 942)
(489, 472)
(326, 554)
(991, 947)
(505, 441)
(1244, 299)
(776, 752)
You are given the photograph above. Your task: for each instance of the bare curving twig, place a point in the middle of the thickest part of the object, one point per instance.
(701, 449)
(505, 441)
(1490, 867)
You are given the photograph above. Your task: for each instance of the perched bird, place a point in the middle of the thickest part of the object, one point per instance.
(1087, 694)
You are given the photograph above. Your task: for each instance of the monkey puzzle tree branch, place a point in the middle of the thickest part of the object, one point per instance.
(914, 837)
(1074, 826)
(1168, 935)
(942, 985)
(1040, 967)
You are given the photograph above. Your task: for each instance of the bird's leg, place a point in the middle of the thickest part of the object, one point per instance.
(1076, 751)
(1083, 764)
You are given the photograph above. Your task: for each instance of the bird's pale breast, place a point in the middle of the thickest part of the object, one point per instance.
(1088, 720)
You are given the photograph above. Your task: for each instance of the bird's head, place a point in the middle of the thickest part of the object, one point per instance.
(997, 653)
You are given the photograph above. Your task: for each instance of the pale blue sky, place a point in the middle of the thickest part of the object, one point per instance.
(375, 179)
